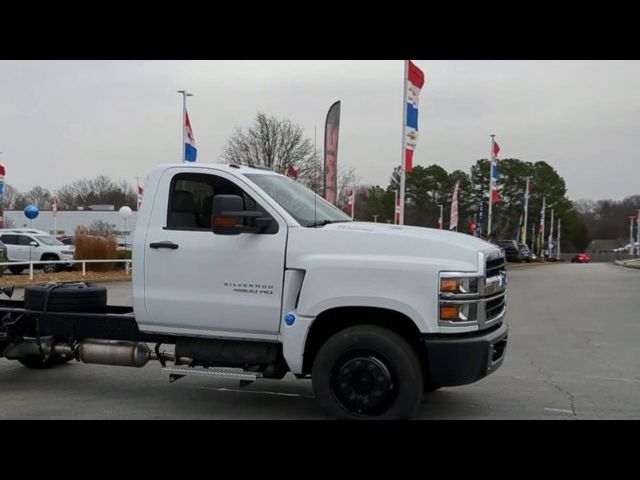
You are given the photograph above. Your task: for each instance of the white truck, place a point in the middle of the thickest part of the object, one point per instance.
(249, 275)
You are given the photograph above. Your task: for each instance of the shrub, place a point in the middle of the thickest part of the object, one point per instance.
(123, 255)
(90, 247)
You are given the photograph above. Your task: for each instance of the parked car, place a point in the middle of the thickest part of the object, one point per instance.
(29, 244)
(581, 258)
(3, 251)
(511, 250)
(67, 240)
(526, 254)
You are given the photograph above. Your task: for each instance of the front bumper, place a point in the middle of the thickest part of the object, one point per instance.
(466, 358)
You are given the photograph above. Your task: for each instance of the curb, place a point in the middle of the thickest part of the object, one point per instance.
(627, 264)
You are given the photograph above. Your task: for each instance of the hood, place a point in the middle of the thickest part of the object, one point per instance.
(403, 243)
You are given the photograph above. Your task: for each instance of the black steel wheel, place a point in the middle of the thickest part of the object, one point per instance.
(367, 372)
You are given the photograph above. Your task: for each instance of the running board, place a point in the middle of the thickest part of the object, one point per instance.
(177, 372)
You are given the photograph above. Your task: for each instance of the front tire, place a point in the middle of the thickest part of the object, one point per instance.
(50, 268)
(367, 372)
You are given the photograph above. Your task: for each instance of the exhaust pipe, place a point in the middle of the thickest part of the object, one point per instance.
(114, 352)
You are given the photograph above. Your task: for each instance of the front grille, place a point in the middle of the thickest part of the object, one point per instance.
(495, 267)
(494, 307)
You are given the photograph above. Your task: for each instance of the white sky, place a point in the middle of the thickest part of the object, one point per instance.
(63, 120)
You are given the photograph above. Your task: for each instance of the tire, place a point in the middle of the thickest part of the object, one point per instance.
(344, 366)
(428, 388)
(50, 267)
(37, 363)
(67, 297)
(16, 270)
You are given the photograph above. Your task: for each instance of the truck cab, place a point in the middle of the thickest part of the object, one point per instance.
(286, 267)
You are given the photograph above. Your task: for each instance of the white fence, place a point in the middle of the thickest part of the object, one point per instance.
(127, 266)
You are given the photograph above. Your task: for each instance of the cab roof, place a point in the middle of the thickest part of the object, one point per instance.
(226, 167)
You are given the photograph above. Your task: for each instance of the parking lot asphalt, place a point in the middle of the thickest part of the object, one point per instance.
(572, 354)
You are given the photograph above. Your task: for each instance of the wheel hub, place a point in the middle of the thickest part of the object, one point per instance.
(364, 385)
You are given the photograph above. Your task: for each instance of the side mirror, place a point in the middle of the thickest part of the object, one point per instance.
(229, 214)
(33, 244)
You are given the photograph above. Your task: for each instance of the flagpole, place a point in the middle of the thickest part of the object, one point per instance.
(55, 215)
(550, 241)
(541, 242)
(490, 187)
(403, 163)
(396, 214)
(526, 211)
(353, 202)
(559, 230)
(137, 194)
(638, 233)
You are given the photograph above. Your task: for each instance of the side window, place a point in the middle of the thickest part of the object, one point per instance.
(9, 239)
(23, 240)
(191, 200)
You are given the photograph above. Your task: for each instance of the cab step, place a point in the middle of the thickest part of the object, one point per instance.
(177, 372)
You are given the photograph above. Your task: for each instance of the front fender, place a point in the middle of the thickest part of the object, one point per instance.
(407, 285)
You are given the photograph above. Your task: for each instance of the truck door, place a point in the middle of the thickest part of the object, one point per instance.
(200, 283)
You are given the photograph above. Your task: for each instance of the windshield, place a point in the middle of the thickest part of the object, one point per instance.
(300, 202)
(47, 240)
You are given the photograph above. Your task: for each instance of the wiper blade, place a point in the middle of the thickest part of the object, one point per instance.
(322, 223)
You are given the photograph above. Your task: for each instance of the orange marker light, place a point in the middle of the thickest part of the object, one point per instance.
(224, 221)
(449, 285)
(450, 313)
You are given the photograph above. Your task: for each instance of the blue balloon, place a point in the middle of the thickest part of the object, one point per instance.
(31, 211)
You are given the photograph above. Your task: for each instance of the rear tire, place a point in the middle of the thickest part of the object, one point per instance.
(37, 362)
(428, 388)
(16, 270)
(367, 372)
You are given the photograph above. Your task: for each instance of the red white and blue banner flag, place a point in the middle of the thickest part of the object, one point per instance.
(190, 150)
(413, 85)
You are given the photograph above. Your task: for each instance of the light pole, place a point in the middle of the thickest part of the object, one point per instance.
(184, 94)
(440, 219)
(631, 245)
(638, 233)
(375, 218)
(125, 212)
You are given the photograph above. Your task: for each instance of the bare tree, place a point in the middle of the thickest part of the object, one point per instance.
(40, 196)
(9, 196)
(99, 190)
(280, 144)
(102, 229)
(347, 179)
(273, 143)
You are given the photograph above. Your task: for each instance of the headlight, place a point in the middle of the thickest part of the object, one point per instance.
(459, 294)
(67, 252)
(466, 312)
(450, 285)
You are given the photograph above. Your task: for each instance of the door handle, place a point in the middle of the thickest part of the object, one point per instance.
(170, 245)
